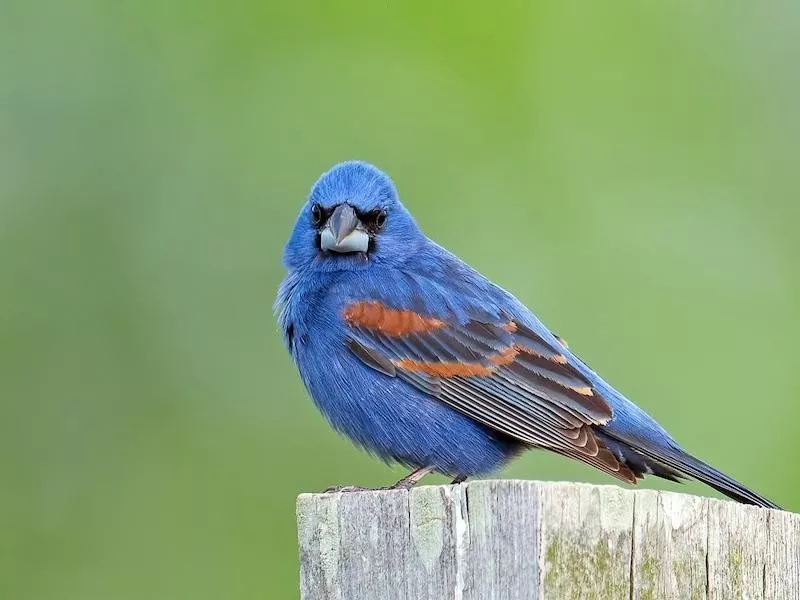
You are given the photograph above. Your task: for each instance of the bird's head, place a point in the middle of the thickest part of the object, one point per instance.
(353, 218)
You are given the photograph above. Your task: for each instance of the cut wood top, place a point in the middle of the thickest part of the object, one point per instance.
(515, 540)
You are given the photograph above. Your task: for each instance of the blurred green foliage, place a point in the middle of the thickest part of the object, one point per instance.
(629, 169)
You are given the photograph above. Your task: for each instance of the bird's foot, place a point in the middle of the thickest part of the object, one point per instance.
(403, 484)
(406, 483)
(335, 489)
(400, 485)
(410, 480)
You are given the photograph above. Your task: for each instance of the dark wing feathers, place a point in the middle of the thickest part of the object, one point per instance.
(500, 373)
(374, 359)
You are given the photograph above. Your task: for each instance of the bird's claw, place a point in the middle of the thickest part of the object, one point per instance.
(401, 485)
(335, 489)
(406, 483)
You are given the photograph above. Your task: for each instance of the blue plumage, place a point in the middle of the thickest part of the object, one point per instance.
(419, 359)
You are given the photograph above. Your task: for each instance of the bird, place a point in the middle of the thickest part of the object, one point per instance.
(422, 361)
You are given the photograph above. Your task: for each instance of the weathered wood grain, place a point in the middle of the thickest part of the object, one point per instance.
(737, 551)
(513, 540)
(586, 539)
(670, 538)
(500, 553)
(782, 567)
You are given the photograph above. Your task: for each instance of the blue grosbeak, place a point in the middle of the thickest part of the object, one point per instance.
(420, 359)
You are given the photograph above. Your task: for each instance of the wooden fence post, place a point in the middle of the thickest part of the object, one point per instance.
(515, 540)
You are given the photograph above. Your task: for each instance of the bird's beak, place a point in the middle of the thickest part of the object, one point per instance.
(344, 232)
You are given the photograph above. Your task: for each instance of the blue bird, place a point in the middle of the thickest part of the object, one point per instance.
(419, 359)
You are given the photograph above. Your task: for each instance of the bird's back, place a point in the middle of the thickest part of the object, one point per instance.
(471, 288)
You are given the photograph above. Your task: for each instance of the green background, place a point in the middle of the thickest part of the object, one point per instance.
(629, 169)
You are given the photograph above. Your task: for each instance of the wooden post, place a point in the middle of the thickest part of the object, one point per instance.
(515, 540)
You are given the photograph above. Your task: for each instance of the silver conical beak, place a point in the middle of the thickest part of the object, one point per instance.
(344, 232)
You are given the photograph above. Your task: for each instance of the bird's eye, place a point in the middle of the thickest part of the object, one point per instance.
(316, 214)
(380, 219)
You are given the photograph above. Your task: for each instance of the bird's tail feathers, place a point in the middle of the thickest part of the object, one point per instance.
(686, 464)
(637, 462)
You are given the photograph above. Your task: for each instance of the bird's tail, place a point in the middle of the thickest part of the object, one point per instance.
(687, 464)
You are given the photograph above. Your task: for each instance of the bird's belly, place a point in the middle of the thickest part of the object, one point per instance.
(397, 422)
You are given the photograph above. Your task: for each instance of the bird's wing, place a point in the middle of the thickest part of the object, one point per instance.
(496, 371)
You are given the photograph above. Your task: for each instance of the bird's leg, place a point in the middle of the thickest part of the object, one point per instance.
(406, 483)
(410, 480)
(459, 479)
